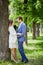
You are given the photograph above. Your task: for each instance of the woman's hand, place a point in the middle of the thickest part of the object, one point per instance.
(19, 34)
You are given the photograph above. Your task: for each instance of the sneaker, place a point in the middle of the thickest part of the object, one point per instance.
(16, 61)
(26, 61)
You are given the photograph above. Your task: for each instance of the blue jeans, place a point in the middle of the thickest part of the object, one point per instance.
(21, 50)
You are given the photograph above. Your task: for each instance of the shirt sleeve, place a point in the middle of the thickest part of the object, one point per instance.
(23, 29)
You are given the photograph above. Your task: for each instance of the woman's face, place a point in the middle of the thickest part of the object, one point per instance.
(13, 23)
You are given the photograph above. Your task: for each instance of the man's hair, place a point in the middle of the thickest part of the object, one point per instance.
(20, 18)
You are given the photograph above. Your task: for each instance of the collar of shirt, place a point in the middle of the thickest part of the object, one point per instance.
(20, 25)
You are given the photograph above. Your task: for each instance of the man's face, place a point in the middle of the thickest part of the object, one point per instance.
(19, 21)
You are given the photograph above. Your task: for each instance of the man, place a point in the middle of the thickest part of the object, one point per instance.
(21, 33)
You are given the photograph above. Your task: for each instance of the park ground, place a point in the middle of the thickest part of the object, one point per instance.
(34, 52)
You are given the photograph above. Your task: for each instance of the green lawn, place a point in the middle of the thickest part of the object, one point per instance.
(34, 52)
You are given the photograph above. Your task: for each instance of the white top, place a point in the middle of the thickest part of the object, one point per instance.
(12, 38)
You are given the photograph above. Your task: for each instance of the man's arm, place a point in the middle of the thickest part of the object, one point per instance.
(23, 31)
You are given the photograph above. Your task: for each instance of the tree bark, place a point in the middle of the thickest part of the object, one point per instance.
(25, 18)
(34, 30)
(4, 48)
(37, 29)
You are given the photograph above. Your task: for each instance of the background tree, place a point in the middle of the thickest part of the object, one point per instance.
(30, 10)
(35, 15)
(25, 15)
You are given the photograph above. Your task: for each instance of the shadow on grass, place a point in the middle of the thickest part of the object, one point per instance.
(34, 61)
(37, 45)
(29, 51)
(37, 38)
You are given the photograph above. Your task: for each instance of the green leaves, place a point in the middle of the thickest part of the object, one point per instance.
(33, 9)
(16, 8)
(38, 5)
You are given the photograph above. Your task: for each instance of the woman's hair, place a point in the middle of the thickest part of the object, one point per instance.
(10, 22)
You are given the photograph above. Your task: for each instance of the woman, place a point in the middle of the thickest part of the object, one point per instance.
(13, 40)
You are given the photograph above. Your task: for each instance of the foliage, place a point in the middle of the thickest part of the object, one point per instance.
(34, 10)
(16, 8)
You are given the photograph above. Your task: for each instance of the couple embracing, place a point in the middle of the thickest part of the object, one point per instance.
(17, 38)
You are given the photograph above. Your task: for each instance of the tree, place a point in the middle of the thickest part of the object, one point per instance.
(35, 13)
(37, 29)
(34, 30)
(16, 8)
(4, 48)
(25, 16)
(30, 10)
(20, 8)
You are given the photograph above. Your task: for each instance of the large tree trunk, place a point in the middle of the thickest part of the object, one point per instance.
(34, 30)
(4, 50)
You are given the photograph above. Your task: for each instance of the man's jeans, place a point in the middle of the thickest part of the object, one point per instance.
(21, 50)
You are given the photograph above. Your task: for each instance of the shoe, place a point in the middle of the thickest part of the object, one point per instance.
(22, 61)
(16, 61)
(26, 61)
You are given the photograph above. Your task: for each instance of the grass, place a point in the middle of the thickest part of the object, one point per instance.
(29, 36)
(33, 51)
(39, 38)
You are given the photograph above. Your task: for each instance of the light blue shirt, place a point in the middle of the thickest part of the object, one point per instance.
(20, 25)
